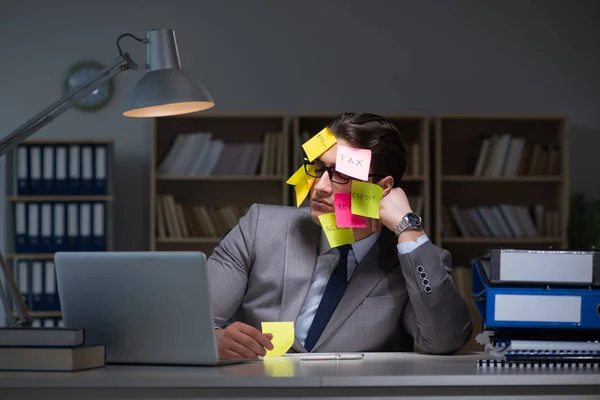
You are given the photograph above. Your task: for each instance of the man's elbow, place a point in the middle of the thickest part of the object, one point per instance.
(450, 341)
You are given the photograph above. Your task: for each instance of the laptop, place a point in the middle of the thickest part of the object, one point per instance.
(149, 308)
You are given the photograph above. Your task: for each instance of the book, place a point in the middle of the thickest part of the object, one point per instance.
(63, 359)
(41, 337)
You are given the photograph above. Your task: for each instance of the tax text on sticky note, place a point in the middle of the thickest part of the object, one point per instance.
(335, 235)
(366, 197)
(353, 162)
(283, 337)
(302, 183)
(343, 215)
(319, 144)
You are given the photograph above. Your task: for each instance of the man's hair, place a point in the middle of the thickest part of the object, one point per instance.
(375, 133)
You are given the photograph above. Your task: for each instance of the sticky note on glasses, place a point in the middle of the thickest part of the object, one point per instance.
(366, 197)
(353, 162)
(336, 236)
(319, 144)
(302, 183)
(343, 215)
(283, 337)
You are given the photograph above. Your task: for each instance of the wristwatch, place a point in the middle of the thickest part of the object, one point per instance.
(409, 221)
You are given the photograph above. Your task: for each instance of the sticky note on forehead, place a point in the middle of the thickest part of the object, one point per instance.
(353, 162)
(319, 144)
(366, 197)
(335, 236)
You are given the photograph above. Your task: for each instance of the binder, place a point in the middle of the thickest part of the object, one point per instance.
(534, 307)
(512, 267)
(74, 165)
(23, 170)
(61, 186)
(35, 170)
(48, 170)
(100, 185)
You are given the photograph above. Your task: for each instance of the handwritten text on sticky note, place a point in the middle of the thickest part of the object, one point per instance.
(366, 197)
(319, 144)
(335, 235)
(343, 215)
(353, 162)
(283, 337)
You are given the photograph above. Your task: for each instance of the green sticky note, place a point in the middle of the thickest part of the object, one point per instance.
(365, 199)
(336, 236)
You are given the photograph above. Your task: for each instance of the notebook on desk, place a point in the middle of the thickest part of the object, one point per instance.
(146, 307)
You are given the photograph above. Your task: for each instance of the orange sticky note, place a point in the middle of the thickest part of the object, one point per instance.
(343, 215)
(353, 162)
(319, 144)
(335, 236)
(302, 183)
(366, 197)
(283, 337)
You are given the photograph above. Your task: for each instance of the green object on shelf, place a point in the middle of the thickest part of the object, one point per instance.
(584, 223)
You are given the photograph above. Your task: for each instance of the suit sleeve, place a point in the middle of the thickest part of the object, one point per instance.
(436, 315)
(229, 266)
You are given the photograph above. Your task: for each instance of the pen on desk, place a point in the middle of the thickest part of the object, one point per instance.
(331, 356)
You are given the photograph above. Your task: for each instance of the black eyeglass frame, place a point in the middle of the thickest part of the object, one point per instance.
(330, 171)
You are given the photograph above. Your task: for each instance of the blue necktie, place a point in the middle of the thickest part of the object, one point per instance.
(331, 297)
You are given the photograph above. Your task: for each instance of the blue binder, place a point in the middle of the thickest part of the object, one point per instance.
(534, 307)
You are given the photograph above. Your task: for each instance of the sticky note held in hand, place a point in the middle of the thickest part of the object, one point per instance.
(335, 235)
(319, 144)
(283, 337)
(343, 215)
(353, 162)
(366, 197)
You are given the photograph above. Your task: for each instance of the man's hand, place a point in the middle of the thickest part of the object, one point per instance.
(393, 207)
(239, 340)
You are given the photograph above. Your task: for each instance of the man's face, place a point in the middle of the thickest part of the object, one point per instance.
(322, 193)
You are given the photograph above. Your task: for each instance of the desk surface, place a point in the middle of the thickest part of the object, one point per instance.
(406, 373)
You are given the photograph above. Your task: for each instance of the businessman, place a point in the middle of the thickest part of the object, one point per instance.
(391, 284)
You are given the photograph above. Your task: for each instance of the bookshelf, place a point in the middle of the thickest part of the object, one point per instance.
(500, 181)
(415, 133)
(207, 169)
(59, 197)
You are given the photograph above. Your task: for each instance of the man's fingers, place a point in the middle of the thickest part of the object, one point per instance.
(228, 353)
(239, 348)
(250, 343)
(258, 336)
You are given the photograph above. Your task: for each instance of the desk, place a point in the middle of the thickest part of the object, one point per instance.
(379, 375)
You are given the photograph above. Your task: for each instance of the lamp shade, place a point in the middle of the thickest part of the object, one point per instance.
(166, 89)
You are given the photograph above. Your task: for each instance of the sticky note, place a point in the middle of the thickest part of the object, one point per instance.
(335, 235)
(353, 162)
(302, 182)
(279, 366)
(366, 197)
(343, 215)
(319, 144)
(283, 337)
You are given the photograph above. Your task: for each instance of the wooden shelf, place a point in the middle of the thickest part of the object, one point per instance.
(502, 241)
(60, 198)
(31, 256)
(187, 200)
(519, 179)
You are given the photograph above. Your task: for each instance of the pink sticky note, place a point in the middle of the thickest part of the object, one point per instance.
(343, 215)
(353, 162)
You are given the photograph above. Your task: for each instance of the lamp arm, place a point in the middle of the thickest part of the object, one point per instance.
(121, 63)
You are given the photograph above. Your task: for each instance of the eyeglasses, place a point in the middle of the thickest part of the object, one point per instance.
(316, 170)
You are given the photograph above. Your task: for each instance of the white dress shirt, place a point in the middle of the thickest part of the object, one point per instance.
(326, 262)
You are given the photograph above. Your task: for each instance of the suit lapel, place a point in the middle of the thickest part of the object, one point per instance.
(300, 258)
(368, 273)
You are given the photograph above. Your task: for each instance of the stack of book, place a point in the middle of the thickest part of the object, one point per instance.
(539, 308)
(48, 349)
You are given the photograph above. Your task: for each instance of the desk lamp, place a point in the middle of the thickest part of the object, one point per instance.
(164, 90)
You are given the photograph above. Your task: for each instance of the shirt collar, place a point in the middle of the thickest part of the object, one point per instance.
(360, 248)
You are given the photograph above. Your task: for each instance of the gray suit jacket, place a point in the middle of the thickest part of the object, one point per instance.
(262, 269)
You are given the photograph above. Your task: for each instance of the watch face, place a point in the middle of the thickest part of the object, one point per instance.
(413, 219)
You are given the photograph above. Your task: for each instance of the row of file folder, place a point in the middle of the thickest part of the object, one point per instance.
(48, 227)
(36, 280)
(539, 307)
(47, 323)
(62, 169)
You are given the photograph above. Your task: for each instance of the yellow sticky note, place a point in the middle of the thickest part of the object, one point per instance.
(302, 182)
(279, 366)
(283, 337)
(319, 144)
(336, 236)
(366, 197)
